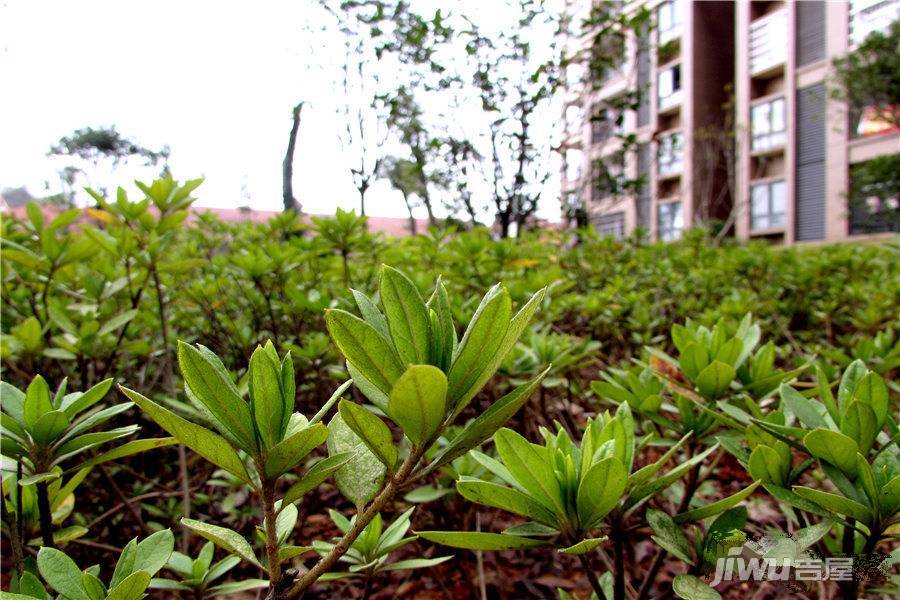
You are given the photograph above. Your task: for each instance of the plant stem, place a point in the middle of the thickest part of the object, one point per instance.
(591, 576)
(45, 514)
(849, 589)
(362, 520)
(619, 564)
(268, 498)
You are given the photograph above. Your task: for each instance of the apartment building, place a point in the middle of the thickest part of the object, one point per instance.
(734, 122)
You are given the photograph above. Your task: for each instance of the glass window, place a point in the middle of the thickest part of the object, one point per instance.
(670, 154)
(767, 124)
(668, 18)
(669, 86)
(768, 201)
(669, 221)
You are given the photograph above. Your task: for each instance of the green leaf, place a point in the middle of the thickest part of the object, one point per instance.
(290, 451)
(836, 504)
(37, 402)
(529, 465)
(360, 478)
(508, 499)
(76, 403)
(227, 539)
(690, 587)
(407, 316)
(807, 411)
(368, 350)
(861, 424)
(834, 448)
(488, 422)
(93, 586)
(48, 427)
(715, 379)
(153, 552)
(480, 343)
(235, 587)
(213, 387)
(472, 540)
(889, 496)
(204, 442)
(644, 474)
(851, 377)
(653, 486)
(418, 402)
(370, 313)
(314, 477)
(414, 563)
(600, 490)
(371, 430)
(131, 588)
(443, 333)
(872, 390)
(584, 546)
(766, 465)
(693, 359)
(61, 573)
(669, 536)
(38, 478)
(117, 321)
(127, 449)
(715, 508)
(265, 397)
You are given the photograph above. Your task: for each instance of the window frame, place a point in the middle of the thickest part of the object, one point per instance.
(673, 152)
(674, 96)
(771, 219)
(671, 231)
(775, 138)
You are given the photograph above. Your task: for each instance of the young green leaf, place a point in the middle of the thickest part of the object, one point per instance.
(836, 504)
(215, 389)
(508, 499)
(418, 402)
(691, 587)
(472, 540)
(131, 588)
(204, 442)
(227, 539)
(488, 422)
(363, 346)
(715, 508)
(714, 379)
(528, 464)
(407, 316)
(61, 573)
(669, 536)
(833, 447)
(265, 397)
(360, 478)
(285, 455)
(371, 430)
(479, 344)
(314, 477)
(600, 490)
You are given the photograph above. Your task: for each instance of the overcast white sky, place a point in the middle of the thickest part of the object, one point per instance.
(214, 80)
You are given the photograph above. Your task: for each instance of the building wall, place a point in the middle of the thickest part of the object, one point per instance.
(722, 58)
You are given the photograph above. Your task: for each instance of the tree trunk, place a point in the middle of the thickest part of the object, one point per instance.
(287, 168)
(412, 219)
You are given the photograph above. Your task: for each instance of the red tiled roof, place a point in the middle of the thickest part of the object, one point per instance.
(396, 226)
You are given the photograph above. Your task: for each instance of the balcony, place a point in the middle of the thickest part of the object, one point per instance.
(867, 16)
(768, 43)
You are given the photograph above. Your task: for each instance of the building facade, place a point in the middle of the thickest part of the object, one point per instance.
(734, 123)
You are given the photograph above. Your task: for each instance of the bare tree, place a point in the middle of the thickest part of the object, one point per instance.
(287, 167)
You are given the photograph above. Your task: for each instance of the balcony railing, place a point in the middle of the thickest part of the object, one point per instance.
(768, 42)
